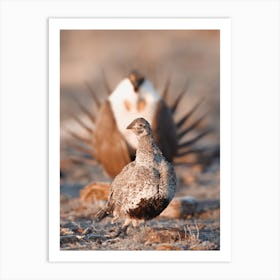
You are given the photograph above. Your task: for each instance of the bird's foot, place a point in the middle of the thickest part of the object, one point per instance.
(121, 232)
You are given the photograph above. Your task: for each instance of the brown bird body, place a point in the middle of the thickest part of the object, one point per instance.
(144, 187)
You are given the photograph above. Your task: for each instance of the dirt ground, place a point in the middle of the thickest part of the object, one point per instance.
(192, 221)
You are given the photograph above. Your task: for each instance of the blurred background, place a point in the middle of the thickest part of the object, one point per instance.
(181, 56)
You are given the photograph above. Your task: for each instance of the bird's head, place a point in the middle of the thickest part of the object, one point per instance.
(136, 79)
(140, 127)
(134, 94)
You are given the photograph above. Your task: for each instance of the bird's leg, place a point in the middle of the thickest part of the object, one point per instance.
(122, 231)
(139, 226)
(143, 227)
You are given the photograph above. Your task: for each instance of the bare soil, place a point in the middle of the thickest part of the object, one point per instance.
(177, 228)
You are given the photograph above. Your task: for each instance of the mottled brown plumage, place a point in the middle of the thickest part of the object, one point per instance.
(144, 187)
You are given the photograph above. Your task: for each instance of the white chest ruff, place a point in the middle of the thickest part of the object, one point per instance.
(124, 116)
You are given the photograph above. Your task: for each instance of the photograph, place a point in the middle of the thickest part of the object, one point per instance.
(140, 139)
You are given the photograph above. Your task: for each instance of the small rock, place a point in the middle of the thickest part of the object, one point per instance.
(180, 207)
(165, 247)
(167, 235)
(95, 191)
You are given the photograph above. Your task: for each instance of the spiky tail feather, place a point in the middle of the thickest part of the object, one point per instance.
(101, 214)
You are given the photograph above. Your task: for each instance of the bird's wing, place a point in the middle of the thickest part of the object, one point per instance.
(110, 146)
(133, 184)
(168, 181)
(165, 131)
(116, 192)
(149, 197)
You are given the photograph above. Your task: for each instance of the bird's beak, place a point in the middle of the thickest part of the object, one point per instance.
(136, 79)
(130, 126)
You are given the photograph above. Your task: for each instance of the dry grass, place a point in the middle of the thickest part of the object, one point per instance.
(79, 232)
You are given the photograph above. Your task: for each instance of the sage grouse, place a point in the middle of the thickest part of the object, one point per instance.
(145, 186)
(135, 97)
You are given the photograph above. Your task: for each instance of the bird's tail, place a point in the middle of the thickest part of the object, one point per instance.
(101, 214)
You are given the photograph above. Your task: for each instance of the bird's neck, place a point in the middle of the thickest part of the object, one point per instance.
(146, 150)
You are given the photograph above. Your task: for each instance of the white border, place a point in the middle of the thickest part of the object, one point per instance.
(24, 167)
(55, 25)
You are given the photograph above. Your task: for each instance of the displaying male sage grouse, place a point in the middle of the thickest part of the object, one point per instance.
(136, 97)
(144, 187)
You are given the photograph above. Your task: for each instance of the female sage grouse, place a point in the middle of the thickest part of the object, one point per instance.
(145, 186)
(135, 97)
